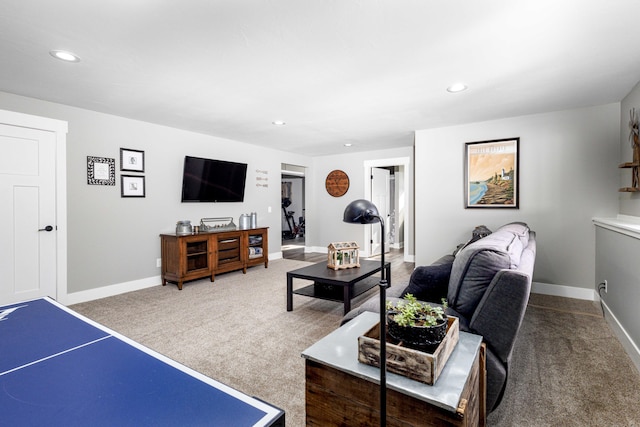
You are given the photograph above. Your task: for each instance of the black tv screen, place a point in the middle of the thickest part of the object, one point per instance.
(207, 180)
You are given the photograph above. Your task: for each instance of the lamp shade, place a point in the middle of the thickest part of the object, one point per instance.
(361, 211)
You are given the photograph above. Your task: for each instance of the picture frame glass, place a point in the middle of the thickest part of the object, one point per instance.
(132, 186)
(101, 170)
(131, 160)
(492, 174)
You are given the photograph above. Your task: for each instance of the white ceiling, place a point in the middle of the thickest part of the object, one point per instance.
(366, 72)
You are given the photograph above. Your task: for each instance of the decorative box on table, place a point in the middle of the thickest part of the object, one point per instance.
(217, 224)
(343, 255)
(411, 363)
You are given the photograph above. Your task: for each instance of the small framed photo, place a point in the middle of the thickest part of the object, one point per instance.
(132, 186)
(131, 160)
(492, 173)
(101, 171)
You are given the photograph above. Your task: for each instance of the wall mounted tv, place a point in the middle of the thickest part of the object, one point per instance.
(207, 180)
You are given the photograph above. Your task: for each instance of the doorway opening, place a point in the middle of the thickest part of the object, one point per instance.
(387, 185)
(292, 209)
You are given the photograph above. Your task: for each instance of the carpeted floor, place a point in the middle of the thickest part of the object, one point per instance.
(568, 368)
(236, 330)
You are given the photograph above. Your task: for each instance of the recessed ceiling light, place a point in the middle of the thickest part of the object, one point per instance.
(457, 87)
(65, 56)
(348, 144)
(278, 122)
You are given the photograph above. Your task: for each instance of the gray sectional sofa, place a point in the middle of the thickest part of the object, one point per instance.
(486, 283)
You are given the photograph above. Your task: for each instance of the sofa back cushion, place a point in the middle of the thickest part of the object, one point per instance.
(516, 242)
(477, 264)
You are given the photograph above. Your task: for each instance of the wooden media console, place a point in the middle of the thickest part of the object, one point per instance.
(198, 255)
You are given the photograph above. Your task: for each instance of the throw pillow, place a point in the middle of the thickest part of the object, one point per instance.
(475, 269)
(429, 283)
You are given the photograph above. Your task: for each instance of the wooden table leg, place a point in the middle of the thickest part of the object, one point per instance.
(289, 292)
(347, 295)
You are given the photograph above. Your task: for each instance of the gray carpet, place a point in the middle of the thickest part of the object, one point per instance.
(236, 330)
(568, 368)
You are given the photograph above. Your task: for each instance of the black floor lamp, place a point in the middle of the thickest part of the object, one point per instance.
(365, 212)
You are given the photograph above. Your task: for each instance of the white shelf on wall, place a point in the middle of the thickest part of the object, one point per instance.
(625, 224)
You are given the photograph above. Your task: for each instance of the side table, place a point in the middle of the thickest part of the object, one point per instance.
(342, 391)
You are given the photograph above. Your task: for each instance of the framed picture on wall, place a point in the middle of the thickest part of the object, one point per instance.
(491, 173)
(101, 171)
(132, 186)
(131, 160)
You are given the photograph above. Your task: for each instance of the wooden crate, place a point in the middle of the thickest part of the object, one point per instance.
(415, 364)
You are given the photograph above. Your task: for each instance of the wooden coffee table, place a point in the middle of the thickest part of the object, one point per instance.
(335, 285)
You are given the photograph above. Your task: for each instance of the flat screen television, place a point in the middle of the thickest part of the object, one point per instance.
(208, 180)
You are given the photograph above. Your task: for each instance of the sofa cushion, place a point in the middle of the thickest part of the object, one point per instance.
(472, 273)
(429, 283)
(519, 241)
(476, 265)
(520, 229)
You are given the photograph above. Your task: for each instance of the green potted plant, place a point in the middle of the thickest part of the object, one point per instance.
(416, 323)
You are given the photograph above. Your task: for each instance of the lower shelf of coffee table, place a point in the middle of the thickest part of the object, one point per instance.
(335, 292)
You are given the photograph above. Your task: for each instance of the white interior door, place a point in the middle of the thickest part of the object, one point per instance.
(27, 214)
(380, 179)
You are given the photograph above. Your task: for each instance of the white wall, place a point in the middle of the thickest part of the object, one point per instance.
(324, 212)
(568, 175)
(114, 240)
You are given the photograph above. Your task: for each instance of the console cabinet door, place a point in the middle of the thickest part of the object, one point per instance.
(257, 244)
(196, 254)
(228, 253)
(185, 258)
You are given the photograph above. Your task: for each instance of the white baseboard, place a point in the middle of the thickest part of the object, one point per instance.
(121, 288)
(630, 347)
(318, 249)
(563, 291)
(112, 290)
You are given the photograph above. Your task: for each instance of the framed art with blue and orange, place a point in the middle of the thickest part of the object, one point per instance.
(491, 174)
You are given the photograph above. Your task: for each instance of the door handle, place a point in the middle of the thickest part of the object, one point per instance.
(47, 228)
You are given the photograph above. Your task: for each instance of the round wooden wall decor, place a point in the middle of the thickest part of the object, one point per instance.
(337, 183)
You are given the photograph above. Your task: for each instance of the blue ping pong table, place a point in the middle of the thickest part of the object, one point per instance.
(60, 368)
